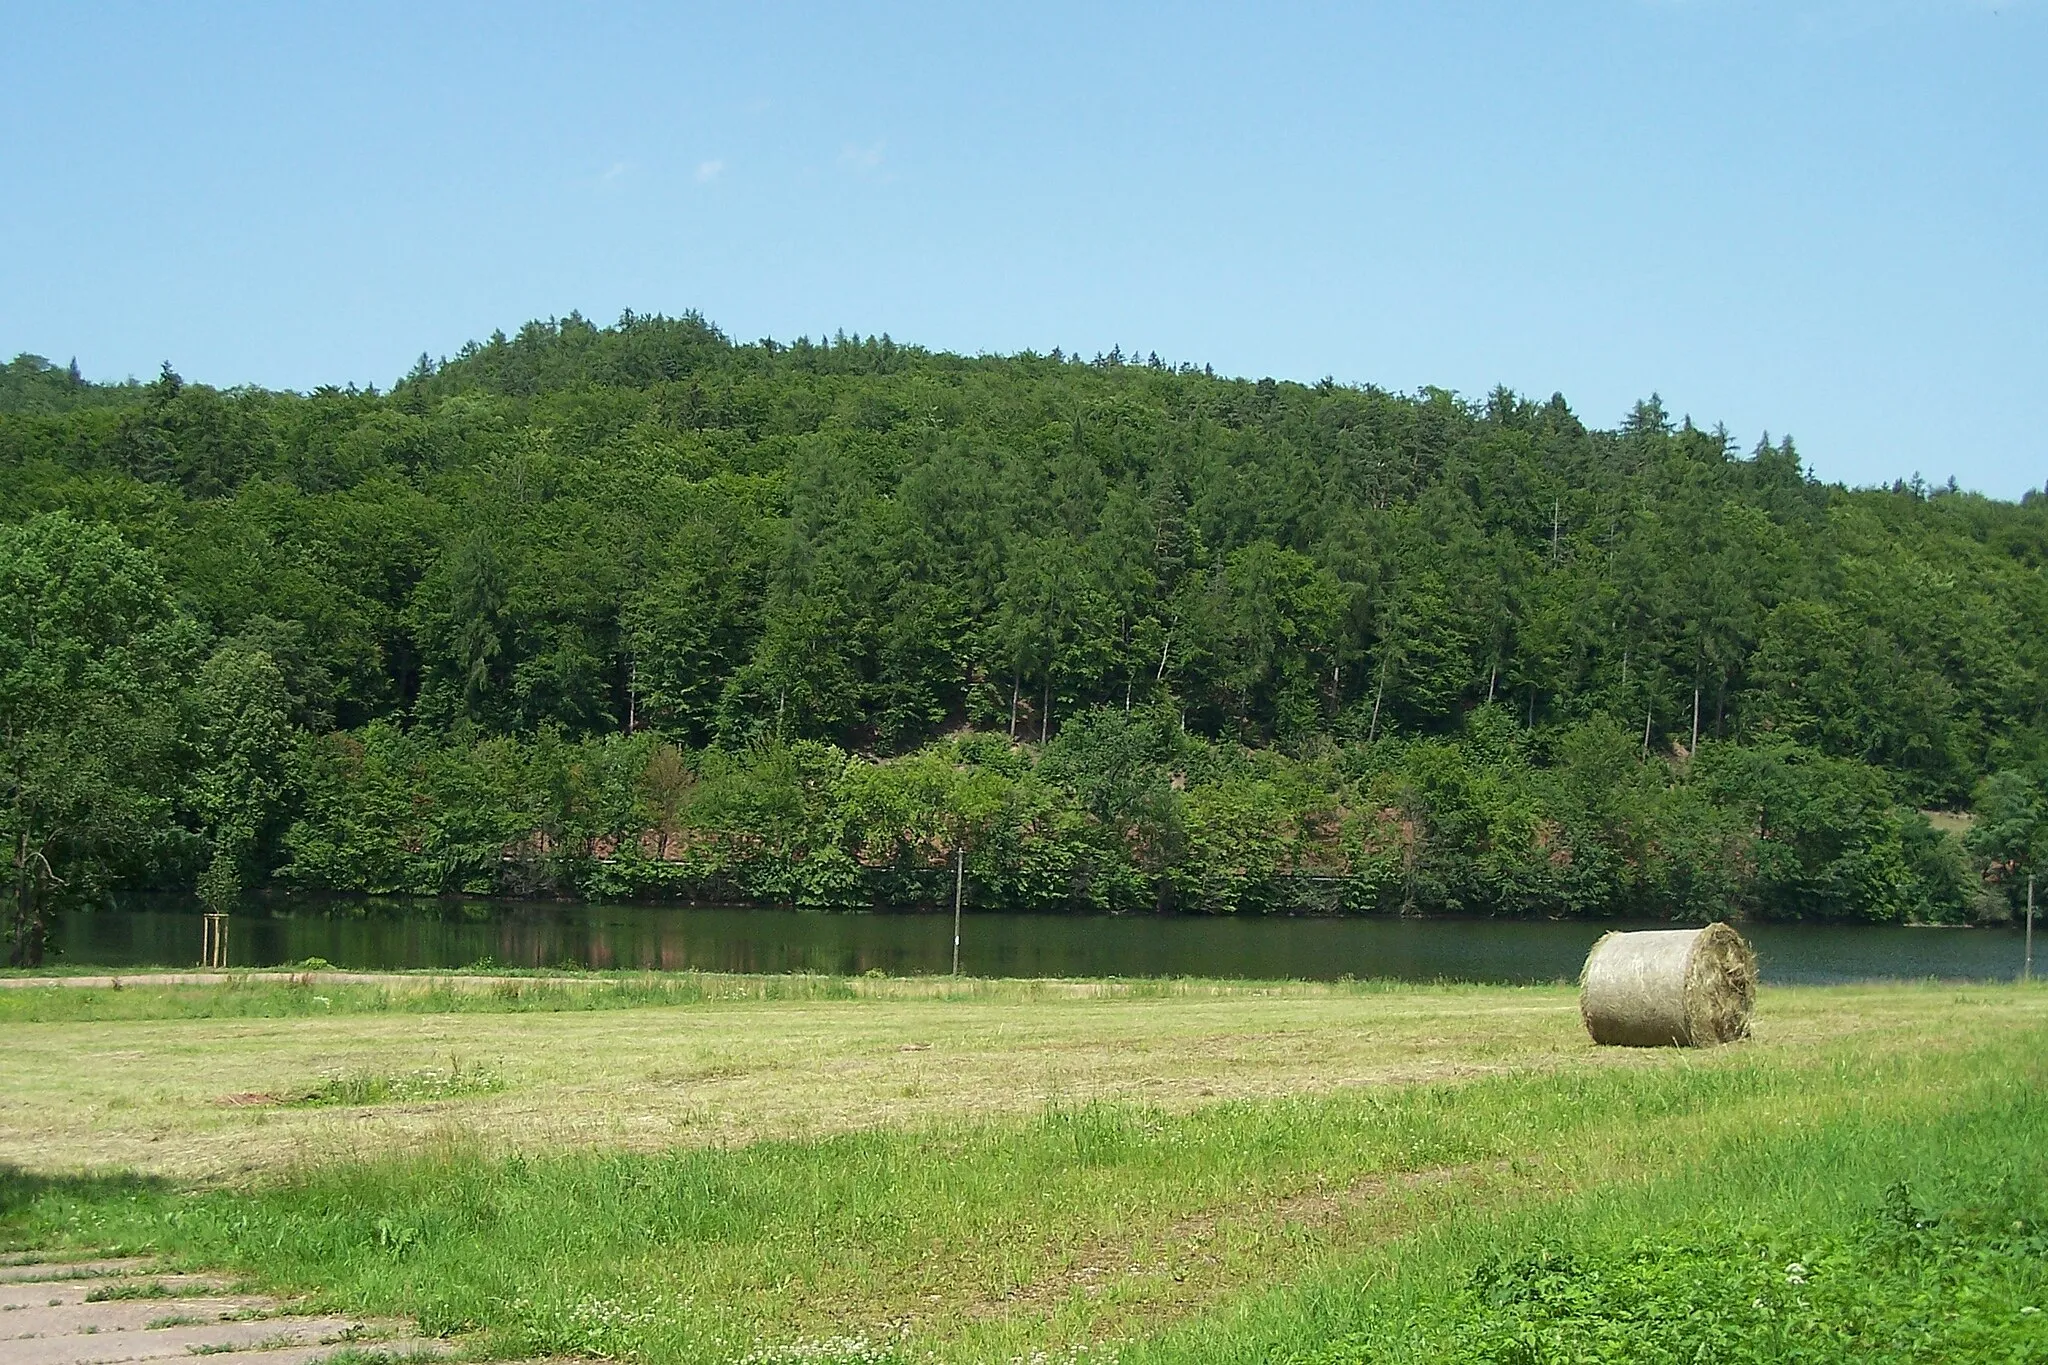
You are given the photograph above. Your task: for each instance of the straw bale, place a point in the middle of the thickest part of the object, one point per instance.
(1669, 988)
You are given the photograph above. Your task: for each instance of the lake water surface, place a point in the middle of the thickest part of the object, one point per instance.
(397, 935)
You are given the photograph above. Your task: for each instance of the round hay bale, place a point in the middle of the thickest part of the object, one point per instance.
(1668, 988)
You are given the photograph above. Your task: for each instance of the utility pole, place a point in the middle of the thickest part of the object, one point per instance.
(959, 884)
(2027, 967)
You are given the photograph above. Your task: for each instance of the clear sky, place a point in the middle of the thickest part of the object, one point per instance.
(1827, 217)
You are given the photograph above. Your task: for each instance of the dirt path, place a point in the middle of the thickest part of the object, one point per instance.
(107, 1312)
(116, 980)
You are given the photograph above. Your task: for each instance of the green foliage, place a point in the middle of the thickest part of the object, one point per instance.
(1124, 811)
(219, 884)
(2011, 833)
(31, 384)
(426, 617)
(1826, 841)
(92, 652)
(1939, 878)
(241, 730)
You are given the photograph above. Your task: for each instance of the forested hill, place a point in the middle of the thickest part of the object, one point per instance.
(764, 553)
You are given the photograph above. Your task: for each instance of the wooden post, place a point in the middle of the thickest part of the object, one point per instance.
(959, 884)
(2027, 966)
(213, 940)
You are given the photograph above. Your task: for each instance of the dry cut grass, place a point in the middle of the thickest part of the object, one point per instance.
(221, 1096)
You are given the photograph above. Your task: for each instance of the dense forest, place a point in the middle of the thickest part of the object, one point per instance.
(636, 610)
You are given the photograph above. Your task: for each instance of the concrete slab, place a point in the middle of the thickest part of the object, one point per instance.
(123, 1315)
(109, 1348)
(117, 980)
(50, 1319)
(78, 1289)
(74, 1270)
(312, 1355)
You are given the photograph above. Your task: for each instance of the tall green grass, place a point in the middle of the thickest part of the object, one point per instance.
(1868, 1236)
(400, 1087)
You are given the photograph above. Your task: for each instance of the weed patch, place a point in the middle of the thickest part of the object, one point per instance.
(407, 1087)
(122, 1289)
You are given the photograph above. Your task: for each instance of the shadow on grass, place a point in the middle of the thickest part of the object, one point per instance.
(35, 1208)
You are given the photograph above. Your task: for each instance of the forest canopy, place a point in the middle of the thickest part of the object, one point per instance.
(641, 610)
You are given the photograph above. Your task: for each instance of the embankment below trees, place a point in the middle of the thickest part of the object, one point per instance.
(1128, 812)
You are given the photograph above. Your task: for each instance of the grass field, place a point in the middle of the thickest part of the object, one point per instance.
(724, 1168)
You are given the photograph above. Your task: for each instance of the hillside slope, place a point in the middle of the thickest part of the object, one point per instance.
(583, 533)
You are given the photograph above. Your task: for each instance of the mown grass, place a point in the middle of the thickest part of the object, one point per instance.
(284, 995)
(189, 1087)
(1348, 1225)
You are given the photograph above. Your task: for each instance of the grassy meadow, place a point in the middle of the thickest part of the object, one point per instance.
(671, 1169)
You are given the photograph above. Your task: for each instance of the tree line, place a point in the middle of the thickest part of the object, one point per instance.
(1180, 640)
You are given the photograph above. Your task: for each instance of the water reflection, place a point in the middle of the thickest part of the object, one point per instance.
(370, 935)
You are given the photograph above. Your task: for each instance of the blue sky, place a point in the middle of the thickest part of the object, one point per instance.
(1823, 218)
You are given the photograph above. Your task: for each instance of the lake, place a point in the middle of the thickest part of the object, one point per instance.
(429, 934)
